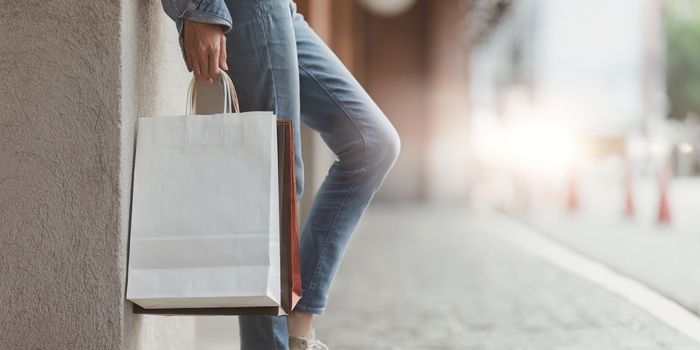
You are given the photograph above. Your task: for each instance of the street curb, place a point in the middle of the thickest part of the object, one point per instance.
(659, 306)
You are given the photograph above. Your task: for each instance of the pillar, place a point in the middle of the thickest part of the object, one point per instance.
(75, 77)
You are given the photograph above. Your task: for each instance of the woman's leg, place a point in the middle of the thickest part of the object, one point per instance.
(366, 144)
(262, 61)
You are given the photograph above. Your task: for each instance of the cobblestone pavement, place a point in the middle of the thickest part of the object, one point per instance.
(431, 278)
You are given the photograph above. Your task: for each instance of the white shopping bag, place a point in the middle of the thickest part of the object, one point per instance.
(205, 222)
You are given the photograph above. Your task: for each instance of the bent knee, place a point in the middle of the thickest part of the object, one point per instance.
(383, 148)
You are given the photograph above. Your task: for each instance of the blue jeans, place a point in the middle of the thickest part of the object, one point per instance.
(278, 63)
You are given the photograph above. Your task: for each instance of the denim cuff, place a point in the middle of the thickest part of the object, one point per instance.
(197, 15)
(314, 310)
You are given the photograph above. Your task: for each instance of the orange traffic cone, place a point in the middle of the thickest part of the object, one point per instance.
(629, 190)
(664, 210)
(664, 207)
(572, 200)
(629, 205)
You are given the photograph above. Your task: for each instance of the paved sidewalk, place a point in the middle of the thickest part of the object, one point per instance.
(657, 255)
(431, 278)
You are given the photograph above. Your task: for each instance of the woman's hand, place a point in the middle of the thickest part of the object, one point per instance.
(205, 49)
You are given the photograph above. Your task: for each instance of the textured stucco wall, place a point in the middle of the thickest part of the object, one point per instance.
(75, 75)
(154, 83)
(59, 175)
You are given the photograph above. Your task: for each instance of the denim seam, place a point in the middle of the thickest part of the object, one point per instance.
(267, 52)
(333, 230)
(272, 74)
(178, 12)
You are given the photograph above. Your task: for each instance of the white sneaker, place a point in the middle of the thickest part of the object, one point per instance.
(309, 342)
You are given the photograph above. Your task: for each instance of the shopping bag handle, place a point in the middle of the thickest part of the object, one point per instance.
(230, 96)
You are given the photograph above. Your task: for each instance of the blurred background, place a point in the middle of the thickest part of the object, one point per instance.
(579, 119)
(549, 147)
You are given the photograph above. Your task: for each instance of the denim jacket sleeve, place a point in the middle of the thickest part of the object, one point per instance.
(205, 11)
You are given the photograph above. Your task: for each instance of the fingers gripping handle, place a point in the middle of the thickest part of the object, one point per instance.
(230, 97)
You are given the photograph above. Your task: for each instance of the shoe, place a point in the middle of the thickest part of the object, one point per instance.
(309, 342)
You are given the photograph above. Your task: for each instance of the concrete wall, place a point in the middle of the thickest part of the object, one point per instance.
(75, 75)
